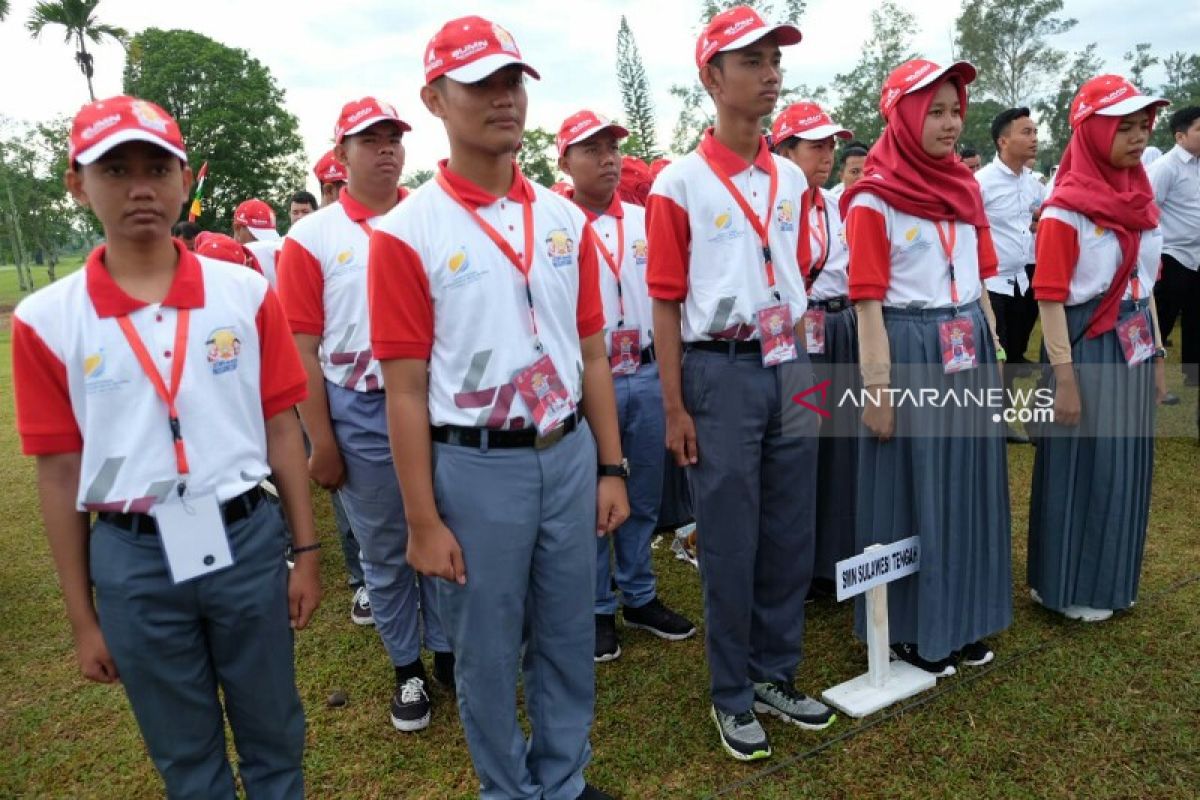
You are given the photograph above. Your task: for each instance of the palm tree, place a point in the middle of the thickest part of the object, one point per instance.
(3, 9)
(77, 17)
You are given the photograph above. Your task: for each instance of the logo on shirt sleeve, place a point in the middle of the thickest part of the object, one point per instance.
(223, 347)
(785, 215)
(560, 247)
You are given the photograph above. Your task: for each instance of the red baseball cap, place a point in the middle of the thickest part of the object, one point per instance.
(563, 188)
(917, 74)
(468, 49)
(258, 217)
(358, 115)
(736, 28)
(806, 121)
(1110, 96)
(330, 170)
(102, 125)
(221, 247)
(584, 125)
(659, 165)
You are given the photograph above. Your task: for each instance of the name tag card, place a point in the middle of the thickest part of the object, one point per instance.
(193, 536)
(776, 334)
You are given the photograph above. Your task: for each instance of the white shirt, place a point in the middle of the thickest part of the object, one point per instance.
(832, 281)
(1100, 256)
(1010, 200)
(634, 296)
(1176, 181)
(266, 252)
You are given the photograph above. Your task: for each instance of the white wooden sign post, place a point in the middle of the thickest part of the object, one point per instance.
(885, 682)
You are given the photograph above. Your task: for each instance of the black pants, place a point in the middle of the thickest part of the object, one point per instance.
(1015, 318)
(1177, 295)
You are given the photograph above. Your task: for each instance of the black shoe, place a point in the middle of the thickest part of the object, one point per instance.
(443, 670)
(976, 654)
(1171, 399)
(608, 648)
(411, 708)
(659, 620)
(820, 589)
(360, 608)
(592, 793)
(908, 654)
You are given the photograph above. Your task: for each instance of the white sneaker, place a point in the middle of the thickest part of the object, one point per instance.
(1087, 613)
(1037, 598)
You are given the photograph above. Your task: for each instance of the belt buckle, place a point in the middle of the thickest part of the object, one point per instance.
(550, 439)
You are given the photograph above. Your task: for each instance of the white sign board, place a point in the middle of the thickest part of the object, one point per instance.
(877, 566)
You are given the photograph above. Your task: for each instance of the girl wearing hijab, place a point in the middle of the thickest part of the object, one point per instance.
(1098, 250)
(919, 248)
(804, 134)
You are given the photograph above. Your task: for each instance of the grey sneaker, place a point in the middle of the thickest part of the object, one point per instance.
(782, 700)
(741, 735)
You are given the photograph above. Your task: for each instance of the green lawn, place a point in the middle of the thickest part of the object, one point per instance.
(1066, 711)
(10, 292)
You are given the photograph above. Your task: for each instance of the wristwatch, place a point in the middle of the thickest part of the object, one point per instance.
(1160, 353)
(614, 470)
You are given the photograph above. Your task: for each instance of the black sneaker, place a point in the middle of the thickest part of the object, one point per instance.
(741, 735)
(608, 648)
(360, 608)
(976, 654)
(659, 620)
(592, 793)
(410, 705)
(780, 699)
(907, 653)
(443, 670)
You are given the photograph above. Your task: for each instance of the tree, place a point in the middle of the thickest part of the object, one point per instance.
(78, 20)
(695, 114)
(1055, 110)
(416, 178)
(4, 8)
(1182, 88)
(231, 112)
(1007, 40)
(536, 156)
(635, 97)
(1140, 60)
(977, 127)
(858, 90)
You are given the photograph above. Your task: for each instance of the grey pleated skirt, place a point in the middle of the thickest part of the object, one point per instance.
(1090, 501)
(837, 453)
(943, 477)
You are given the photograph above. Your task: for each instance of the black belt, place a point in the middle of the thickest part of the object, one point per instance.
(734, 346)
(834, 304)
(525, 437)
(234, 510)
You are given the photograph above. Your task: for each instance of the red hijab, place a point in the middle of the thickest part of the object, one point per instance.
(1120, 200)
(910, 180)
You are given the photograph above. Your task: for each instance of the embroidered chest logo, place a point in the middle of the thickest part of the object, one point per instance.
(785, 216)
(222, 349)
(344, 257)
(97, 377)
(560, 247)
(641, 252)
(723, 228)
(915, 240)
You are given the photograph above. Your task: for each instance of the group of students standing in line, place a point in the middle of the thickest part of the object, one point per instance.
(536, 354)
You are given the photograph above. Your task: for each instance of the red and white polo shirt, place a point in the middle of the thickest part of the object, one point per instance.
(632, 261)
(833, 280)
(80, 388)
(1077, 259)
(323, 285)
(441, 290)
(705, 253)
(899, 259)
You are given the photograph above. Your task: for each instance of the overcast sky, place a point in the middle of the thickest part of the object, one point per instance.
(324, 54)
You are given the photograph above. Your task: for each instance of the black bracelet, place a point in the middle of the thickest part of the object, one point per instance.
(305, 549)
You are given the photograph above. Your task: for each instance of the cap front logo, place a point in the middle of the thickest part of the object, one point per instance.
(507, 43)
(738, 27)
(918, 73)
(100, 126)
(468, 50)
(1113, 95)
(148, 116)
(357, 115)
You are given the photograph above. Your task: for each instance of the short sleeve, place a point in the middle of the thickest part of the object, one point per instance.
(301, 288)
(870, 263)
(668, 239)
(985, 250)
(282, 380)
(399, 299)
(45, 419)
(589, 312)
(1057, 255)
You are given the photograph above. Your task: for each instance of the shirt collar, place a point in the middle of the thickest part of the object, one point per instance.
(615, 209)
(1183, 155)
(730, 162)
(110, 300)
(999, 162)
(520, 191)
(357, 212)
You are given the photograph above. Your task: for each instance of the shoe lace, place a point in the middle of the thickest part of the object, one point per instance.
(788, 692)
(744, 719)
(412, 690)
(362, 599)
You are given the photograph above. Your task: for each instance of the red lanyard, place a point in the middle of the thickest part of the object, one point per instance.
(948, 241)
(615, 266)
(522, 265)
(759, 225)
(821, 234)
(167, 395)
(367, 229)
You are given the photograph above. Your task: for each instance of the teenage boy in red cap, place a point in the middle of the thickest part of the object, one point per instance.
(254, 227)
(486, 314)
(723, 245)
(156, 390)
(323, 285)
(331, 177)
(589, 153)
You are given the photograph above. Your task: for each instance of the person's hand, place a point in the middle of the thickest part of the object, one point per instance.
(326, 467)
(681, 437)
(304, 589)
(879, 416)
(612, 504)
(1160, 381)
(434, 550)
(1067, 406)
(95, 662)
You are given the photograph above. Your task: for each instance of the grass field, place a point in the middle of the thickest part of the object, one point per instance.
(10, 291)
(1066, 710)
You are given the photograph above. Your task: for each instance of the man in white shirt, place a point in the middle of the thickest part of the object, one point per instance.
(1176, 181)
(1011, 198)
(854, 158)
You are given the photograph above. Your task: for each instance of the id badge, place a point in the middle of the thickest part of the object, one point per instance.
(814, 331)
(1137, 338)
(193, 536)
(776, 334)
(958, 345)
(626, 354)
(544, 394)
